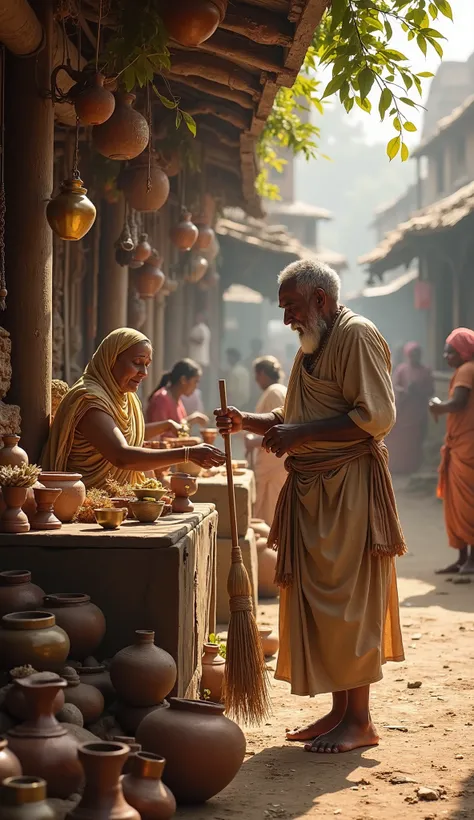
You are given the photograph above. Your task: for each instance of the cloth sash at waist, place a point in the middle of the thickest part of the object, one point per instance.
(385, 536)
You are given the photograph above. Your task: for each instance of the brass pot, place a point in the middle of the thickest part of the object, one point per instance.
(71, 214)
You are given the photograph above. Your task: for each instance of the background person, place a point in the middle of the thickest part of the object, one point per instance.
(166, 400)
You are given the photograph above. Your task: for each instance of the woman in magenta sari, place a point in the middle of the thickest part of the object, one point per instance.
(413, 385)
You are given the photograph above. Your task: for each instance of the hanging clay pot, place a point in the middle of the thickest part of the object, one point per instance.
(267, 560)
(24, 798)
(185, 233)
(212, 677)
(203, 749)
(18, 705)
(42, 745)
(103, 798)
(99, 677)
(143, 674)
(83, 621)
(205, 237)
(13, 519)
(11, 455)
(94, 104)
(17, 593)
(134, 183)
(134, 749)
(143, 249)
(270, 642)
(137, 310)
(10, 766)
(143, 789)
(169, 160)
(125, 134)
(45, 518)
(32, 638)
(192, 22)
(72, 496)
(149, 279)
(130, 717)
(71, 214)
(88, 699)
(197, 269)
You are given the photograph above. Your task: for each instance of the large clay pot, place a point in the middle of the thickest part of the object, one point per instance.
(94, 104)
(185, 233)
(83, 621)
(143, 789)
(270, 642)
(125, 134)
(192, 21)
(19, 706)
(143, 674)
(88, 699)
(13, 519)
(213, 668)
(99, 677)
(42, 745)
(10, 766)
(72, 496)
(134, 183)
(103, 796)
(44, 518)
(267, 560)
(10, 454)
(32, 638)
(149, 279)
(130, 717)
(17, 593)
(203, 749)
(24, 798)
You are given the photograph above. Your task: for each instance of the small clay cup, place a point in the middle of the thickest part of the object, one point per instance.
(45, 518)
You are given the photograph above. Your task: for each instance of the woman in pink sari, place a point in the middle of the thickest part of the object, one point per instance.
(414, 386)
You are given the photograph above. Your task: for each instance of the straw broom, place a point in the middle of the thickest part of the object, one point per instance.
(245, 683)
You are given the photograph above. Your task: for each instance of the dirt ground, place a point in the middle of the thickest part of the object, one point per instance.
(427, 732)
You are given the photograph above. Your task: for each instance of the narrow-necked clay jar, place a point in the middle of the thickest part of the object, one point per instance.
(83, 621)
(270, 642)
(134, 749)
(130, 717)
(143, 674)
(99, 677)
(213, 668)
(10, 766)
(13, 519)
(11, 455)
(18, 593)
(24, 798)
(103, 796)
(143, 789)
(72, 496)
(19, 706)
(44, 518)
(203, 749)
(32, 638)
(267, 560)
(42, 745)
(88, 699)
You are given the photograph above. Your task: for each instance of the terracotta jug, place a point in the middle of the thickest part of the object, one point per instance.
(134, 749)
(103, 796)
(17, 593)
(142, 251)
(143, 674)
(125, 134)
(197, 268)
(143, 789)
(32, 638)
(43, 745)
(13, 519)
(130, 717)
(149, 279)
(88, 699)
(213, 668)
(11, 455)
(185, 233)
(192, 21)
(203, 749)
(270, 642)
(72, 496)
(10, 766)
(24, 798)
(44, 518)
(134, 183)
(83, 621)
(99, 677)
(205, 237)
(94, 104)
(267, 559)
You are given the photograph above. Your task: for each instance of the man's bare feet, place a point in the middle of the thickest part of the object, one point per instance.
(468, 567)
(314, 730)
(348, 735)
(453, 569)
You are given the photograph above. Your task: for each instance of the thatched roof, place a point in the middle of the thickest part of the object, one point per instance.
(466, 109)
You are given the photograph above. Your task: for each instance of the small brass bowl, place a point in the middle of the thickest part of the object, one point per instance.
(147, 512)
(157, 495)
(110, 518)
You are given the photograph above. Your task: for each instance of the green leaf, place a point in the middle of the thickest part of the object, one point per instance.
(385, 102)
(164, 100)
(334, 85)
(179, 118)
(397, 124)
(393, 147)
(445, 8)
(404, 153)
(190, 123)
(425, 74)
(366, 80)
(409, 126)
(338, 10)
(388, 30)
(421, 44)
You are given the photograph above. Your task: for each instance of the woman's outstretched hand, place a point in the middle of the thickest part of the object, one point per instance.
(229, 421)
(206, 456)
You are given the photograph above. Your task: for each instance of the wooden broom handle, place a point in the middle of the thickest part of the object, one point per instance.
(230, 475)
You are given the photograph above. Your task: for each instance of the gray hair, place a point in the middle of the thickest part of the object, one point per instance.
(310, 275)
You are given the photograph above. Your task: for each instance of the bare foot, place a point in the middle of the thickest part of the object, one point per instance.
(468, 567)
(344, 738)
(316, 729)
(452, 569)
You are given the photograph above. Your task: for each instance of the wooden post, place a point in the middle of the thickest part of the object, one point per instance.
(159, 338)
(29, 159)
(113, 278)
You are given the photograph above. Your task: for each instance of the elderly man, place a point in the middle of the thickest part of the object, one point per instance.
(336, 525)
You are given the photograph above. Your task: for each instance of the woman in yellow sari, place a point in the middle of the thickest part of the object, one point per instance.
(99, 428)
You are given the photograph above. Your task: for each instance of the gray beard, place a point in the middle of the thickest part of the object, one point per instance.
(310, 336)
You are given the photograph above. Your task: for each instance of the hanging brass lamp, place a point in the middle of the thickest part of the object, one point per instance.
(71, 214)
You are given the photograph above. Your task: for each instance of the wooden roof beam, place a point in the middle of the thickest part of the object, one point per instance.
(214, 90)
(212, 68)
(308, 20)
(258, 25)
(239, 119)
(240, 50)
(218, 135)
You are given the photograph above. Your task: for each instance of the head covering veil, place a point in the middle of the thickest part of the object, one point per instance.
(462, 340)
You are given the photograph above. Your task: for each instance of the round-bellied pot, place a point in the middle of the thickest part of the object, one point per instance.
(103, 796)
(267, 560)
(143, 674)
(203, 749)
(270, 642)
(144, 790)
(94, 104)
(134, 749)
(130, 717)
(11, 455)
(18, 593)
(193, 21)
(72, 496)
(205, 237)
(32, 638)
(83, 621)
(10, 766)
(184, 234)
(125, 134)
(99, 677)
(13, 519)
(213, 668)
(42, 745)
(24, 798)
(88, 699)
(134, 183)
(44, 518)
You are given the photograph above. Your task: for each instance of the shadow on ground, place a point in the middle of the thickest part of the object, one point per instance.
(465, 807)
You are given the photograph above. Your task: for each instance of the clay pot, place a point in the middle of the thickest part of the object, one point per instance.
(130, 717)
(17, 593)
(72, 496)
(134, 749)
(13, 519)
(213, 668)
(99, 677)
(24, 798)
(10, 766)
(43, 745)
(11, 455)
(260, 528)
(185, 233)
(143, 789)
(205, 238)
(143, 674)
(209, 435)
(183, 486)
(29, 507)
(267, 560)
(134, 183)
(103, 796)
(192, 22)
(203, 749)
(88, 699)
(32, 638)
(149, 279)
(270, 642)
(18, 705)
(197, 269)
(143, 249)
(70, 213)
(125, 134)
(83, 621)
(45, 518)
(94, 104)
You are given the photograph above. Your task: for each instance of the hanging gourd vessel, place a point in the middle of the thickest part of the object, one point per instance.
(125, 134)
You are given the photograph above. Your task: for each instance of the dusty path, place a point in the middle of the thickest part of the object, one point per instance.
(427, 733)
